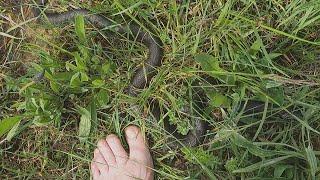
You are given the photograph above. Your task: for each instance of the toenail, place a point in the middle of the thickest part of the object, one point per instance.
(132, 132)
(101, 143)
(111, 138)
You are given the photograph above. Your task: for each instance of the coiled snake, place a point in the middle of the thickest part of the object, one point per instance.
(143, 74)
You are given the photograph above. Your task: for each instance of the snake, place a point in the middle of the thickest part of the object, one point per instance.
(142, 75)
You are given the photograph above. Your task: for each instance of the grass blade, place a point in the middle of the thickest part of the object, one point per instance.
(8, 35)
(261, 164)
(277, 31)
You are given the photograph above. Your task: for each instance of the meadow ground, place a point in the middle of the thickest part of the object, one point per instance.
(236, 51)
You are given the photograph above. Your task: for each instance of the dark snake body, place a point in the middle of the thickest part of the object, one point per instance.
(143, 74)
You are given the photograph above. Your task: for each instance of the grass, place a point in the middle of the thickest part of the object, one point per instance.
(253, 50)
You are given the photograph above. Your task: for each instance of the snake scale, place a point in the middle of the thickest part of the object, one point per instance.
(143, 74)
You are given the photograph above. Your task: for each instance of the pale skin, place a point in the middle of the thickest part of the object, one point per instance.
(111, 161)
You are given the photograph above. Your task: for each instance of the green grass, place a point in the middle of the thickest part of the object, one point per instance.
(254, 50)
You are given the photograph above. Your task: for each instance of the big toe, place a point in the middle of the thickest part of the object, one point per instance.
(138, 148)
(117, 149)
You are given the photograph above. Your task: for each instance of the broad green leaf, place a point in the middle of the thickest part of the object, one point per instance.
(106, 68)
(274, 55)
(75, 80)
(49, 76)
(102, 98)
(255, 47)
(84, 77)
(85, 52)
(42, 120)
(70, 66)
(250, 146)
(37, 67)
(98, 83)
(261, 164)
(218, 100)
(54, 86)
(13, 131)
(312, 161)
(63, 76)
(8, 123)
(80, 62)
(42, 104)
(85, 124)
(208, 62)
(280, 169)
(80, 29)
(277, 94)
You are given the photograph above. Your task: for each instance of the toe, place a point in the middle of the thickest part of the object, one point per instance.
(119, 152)
(94, 170)
(107, 153)
(99, 163)
(138, 148)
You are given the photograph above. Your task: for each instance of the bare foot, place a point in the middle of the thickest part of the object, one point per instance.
(111, 161)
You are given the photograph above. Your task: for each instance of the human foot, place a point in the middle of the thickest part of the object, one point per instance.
(111, 161)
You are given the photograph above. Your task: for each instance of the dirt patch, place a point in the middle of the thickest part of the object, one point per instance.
(17, 15)
(13, 13)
